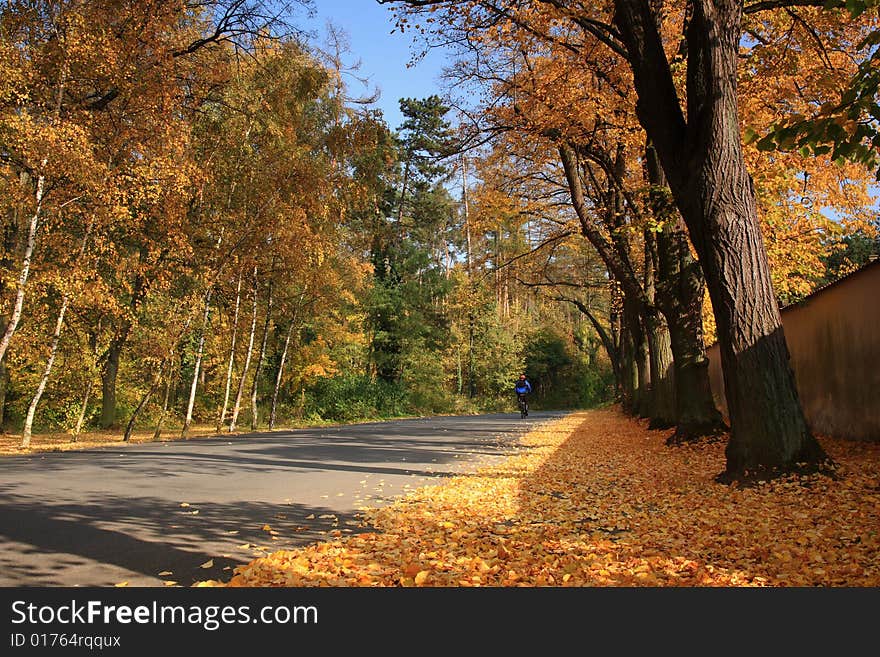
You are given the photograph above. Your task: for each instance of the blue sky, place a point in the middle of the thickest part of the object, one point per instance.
(384, 56)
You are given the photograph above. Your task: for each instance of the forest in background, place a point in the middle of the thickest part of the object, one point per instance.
(204, 223)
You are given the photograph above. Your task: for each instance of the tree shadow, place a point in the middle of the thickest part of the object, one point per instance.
(70, 543)
(97, 516)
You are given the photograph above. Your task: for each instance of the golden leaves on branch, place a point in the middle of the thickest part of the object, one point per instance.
(594, 499)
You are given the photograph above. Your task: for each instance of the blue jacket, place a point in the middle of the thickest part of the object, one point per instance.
(523, 387)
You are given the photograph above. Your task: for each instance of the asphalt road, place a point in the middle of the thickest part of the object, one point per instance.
(153, 513)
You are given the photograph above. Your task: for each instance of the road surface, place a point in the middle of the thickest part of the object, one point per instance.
(158, 512)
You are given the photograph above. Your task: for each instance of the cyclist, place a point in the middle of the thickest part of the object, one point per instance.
(523, 388)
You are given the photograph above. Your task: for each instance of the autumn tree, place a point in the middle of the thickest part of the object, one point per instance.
(701, 153)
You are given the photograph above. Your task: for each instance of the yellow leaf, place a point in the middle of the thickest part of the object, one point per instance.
(170, 582)
(267, 528)
(121, 584)
(208, 564)
(421, 577)
(165, 572)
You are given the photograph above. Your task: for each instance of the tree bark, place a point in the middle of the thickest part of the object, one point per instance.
(247, 360)
(222, 417)
(639, 354)
(703, 161)
(636, 305)
(679, 295)
(628, 372)
(198, 366)
(662, 411)
(661, 405)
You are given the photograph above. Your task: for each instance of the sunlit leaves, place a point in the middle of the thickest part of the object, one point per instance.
(596, 500)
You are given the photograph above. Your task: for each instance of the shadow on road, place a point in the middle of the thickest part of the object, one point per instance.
(149, 536)
(99, 516)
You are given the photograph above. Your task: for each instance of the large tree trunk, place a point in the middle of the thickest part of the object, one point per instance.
(247, 360)
(662, 411)
(704, 164)
(639, 353)
(628, 374)
(679, 294)
(110, 369)
(661, 405)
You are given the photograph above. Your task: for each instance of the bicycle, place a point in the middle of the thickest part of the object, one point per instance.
(523, 406)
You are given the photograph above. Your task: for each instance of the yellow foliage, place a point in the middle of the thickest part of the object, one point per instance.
(595, 499)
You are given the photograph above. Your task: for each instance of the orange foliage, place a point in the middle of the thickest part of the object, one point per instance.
(594, 499)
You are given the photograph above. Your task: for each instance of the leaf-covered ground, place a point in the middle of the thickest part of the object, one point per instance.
(595, 499)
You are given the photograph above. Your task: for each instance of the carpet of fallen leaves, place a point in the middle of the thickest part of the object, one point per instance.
(595, 499)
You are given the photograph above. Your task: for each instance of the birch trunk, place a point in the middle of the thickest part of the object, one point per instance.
(53, 351)
(198, 366)
(41, 387)
(82, 411)
(222, 416)
(255, 411)
(278, 377)
(247, 360)
(293, 324)
(34, 223)
(25, 268)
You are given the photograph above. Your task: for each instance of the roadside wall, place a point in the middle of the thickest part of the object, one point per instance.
(834, 340)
